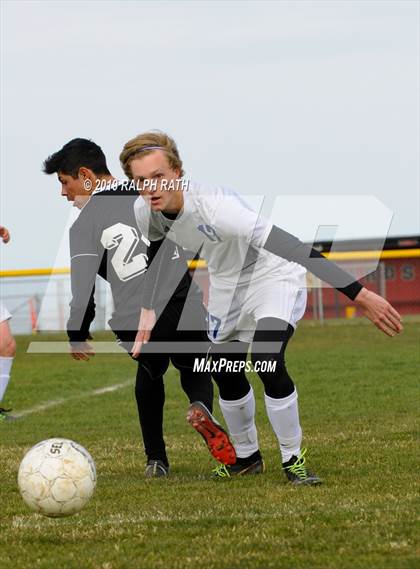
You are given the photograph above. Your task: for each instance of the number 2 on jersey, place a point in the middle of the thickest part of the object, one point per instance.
(124, 239)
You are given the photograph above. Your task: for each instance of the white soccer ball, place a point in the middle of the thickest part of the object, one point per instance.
(57, 477)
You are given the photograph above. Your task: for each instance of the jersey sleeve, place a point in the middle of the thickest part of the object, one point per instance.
(86, 256)
(146, 222)
(233, 218)
(289, 247)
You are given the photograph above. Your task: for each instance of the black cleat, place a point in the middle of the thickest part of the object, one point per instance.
(296, 472)
(253, 465)
(156, 469)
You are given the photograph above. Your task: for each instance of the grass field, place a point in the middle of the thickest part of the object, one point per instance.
(358, 403)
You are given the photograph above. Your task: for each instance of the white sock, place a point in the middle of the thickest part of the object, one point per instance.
(240, 419)
(5, 366)
(284, 418)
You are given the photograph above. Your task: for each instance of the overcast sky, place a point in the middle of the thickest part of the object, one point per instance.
(273, 98)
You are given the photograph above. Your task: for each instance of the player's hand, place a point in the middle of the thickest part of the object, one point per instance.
(379, 311)
(4, 234)
(146, 324)
(81, 351)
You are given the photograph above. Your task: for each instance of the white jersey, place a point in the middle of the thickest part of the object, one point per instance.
(229, 233)
(247, 282)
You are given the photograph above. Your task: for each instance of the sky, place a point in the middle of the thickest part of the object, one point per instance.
(314, 105)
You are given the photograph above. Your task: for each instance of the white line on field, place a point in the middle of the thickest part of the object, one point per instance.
(55, 402)
(110, 388)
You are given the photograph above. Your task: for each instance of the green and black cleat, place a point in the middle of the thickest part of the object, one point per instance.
(242, 467)
(297, 473)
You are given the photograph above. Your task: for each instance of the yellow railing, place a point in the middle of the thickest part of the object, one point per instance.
(368, 255)
(201, 264)
(35, 272)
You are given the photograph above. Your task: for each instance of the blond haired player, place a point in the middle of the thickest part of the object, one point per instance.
(257, 295)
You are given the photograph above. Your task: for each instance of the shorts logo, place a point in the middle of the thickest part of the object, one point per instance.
(209, 232)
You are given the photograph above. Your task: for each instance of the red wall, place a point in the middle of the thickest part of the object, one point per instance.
(402, 289)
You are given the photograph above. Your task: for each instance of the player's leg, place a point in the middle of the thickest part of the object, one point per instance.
(7, 354)
(230, 331)
(237, 403)
(199, 390)
(197, 384)
(268, 357)
(150, 398)
(187, 321)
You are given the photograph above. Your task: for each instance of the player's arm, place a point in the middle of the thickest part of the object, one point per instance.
(82, 307)
(147, 318)
(85, 265)
(154, 273)
(234, 219)
(159, 254)
(375, 308)
(80, 348)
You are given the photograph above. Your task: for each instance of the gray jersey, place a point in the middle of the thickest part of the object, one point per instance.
(104, 240)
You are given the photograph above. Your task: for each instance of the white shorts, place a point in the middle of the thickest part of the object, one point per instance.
(233, 314)
(4, 313)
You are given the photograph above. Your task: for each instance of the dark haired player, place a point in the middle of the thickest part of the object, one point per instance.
(104, 240)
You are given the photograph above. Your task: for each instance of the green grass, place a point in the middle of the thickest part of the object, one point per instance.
(358, 404)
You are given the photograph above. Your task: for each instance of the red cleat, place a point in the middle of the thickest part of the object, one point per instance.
(217, 439)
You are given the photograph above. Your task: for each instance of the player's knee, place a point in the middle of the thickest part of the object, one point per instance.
(228, 371)
(183, 362)
(152, 367)
(232, 386)
(267, 363)
(271, 369)
(147, 388)
(7, 346)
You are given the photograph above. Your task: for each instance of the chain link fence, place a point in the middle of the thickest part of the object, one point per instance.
(41, 304)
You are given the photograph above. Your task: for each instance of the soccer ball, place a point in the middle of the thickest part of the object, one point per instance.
(57, 477)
